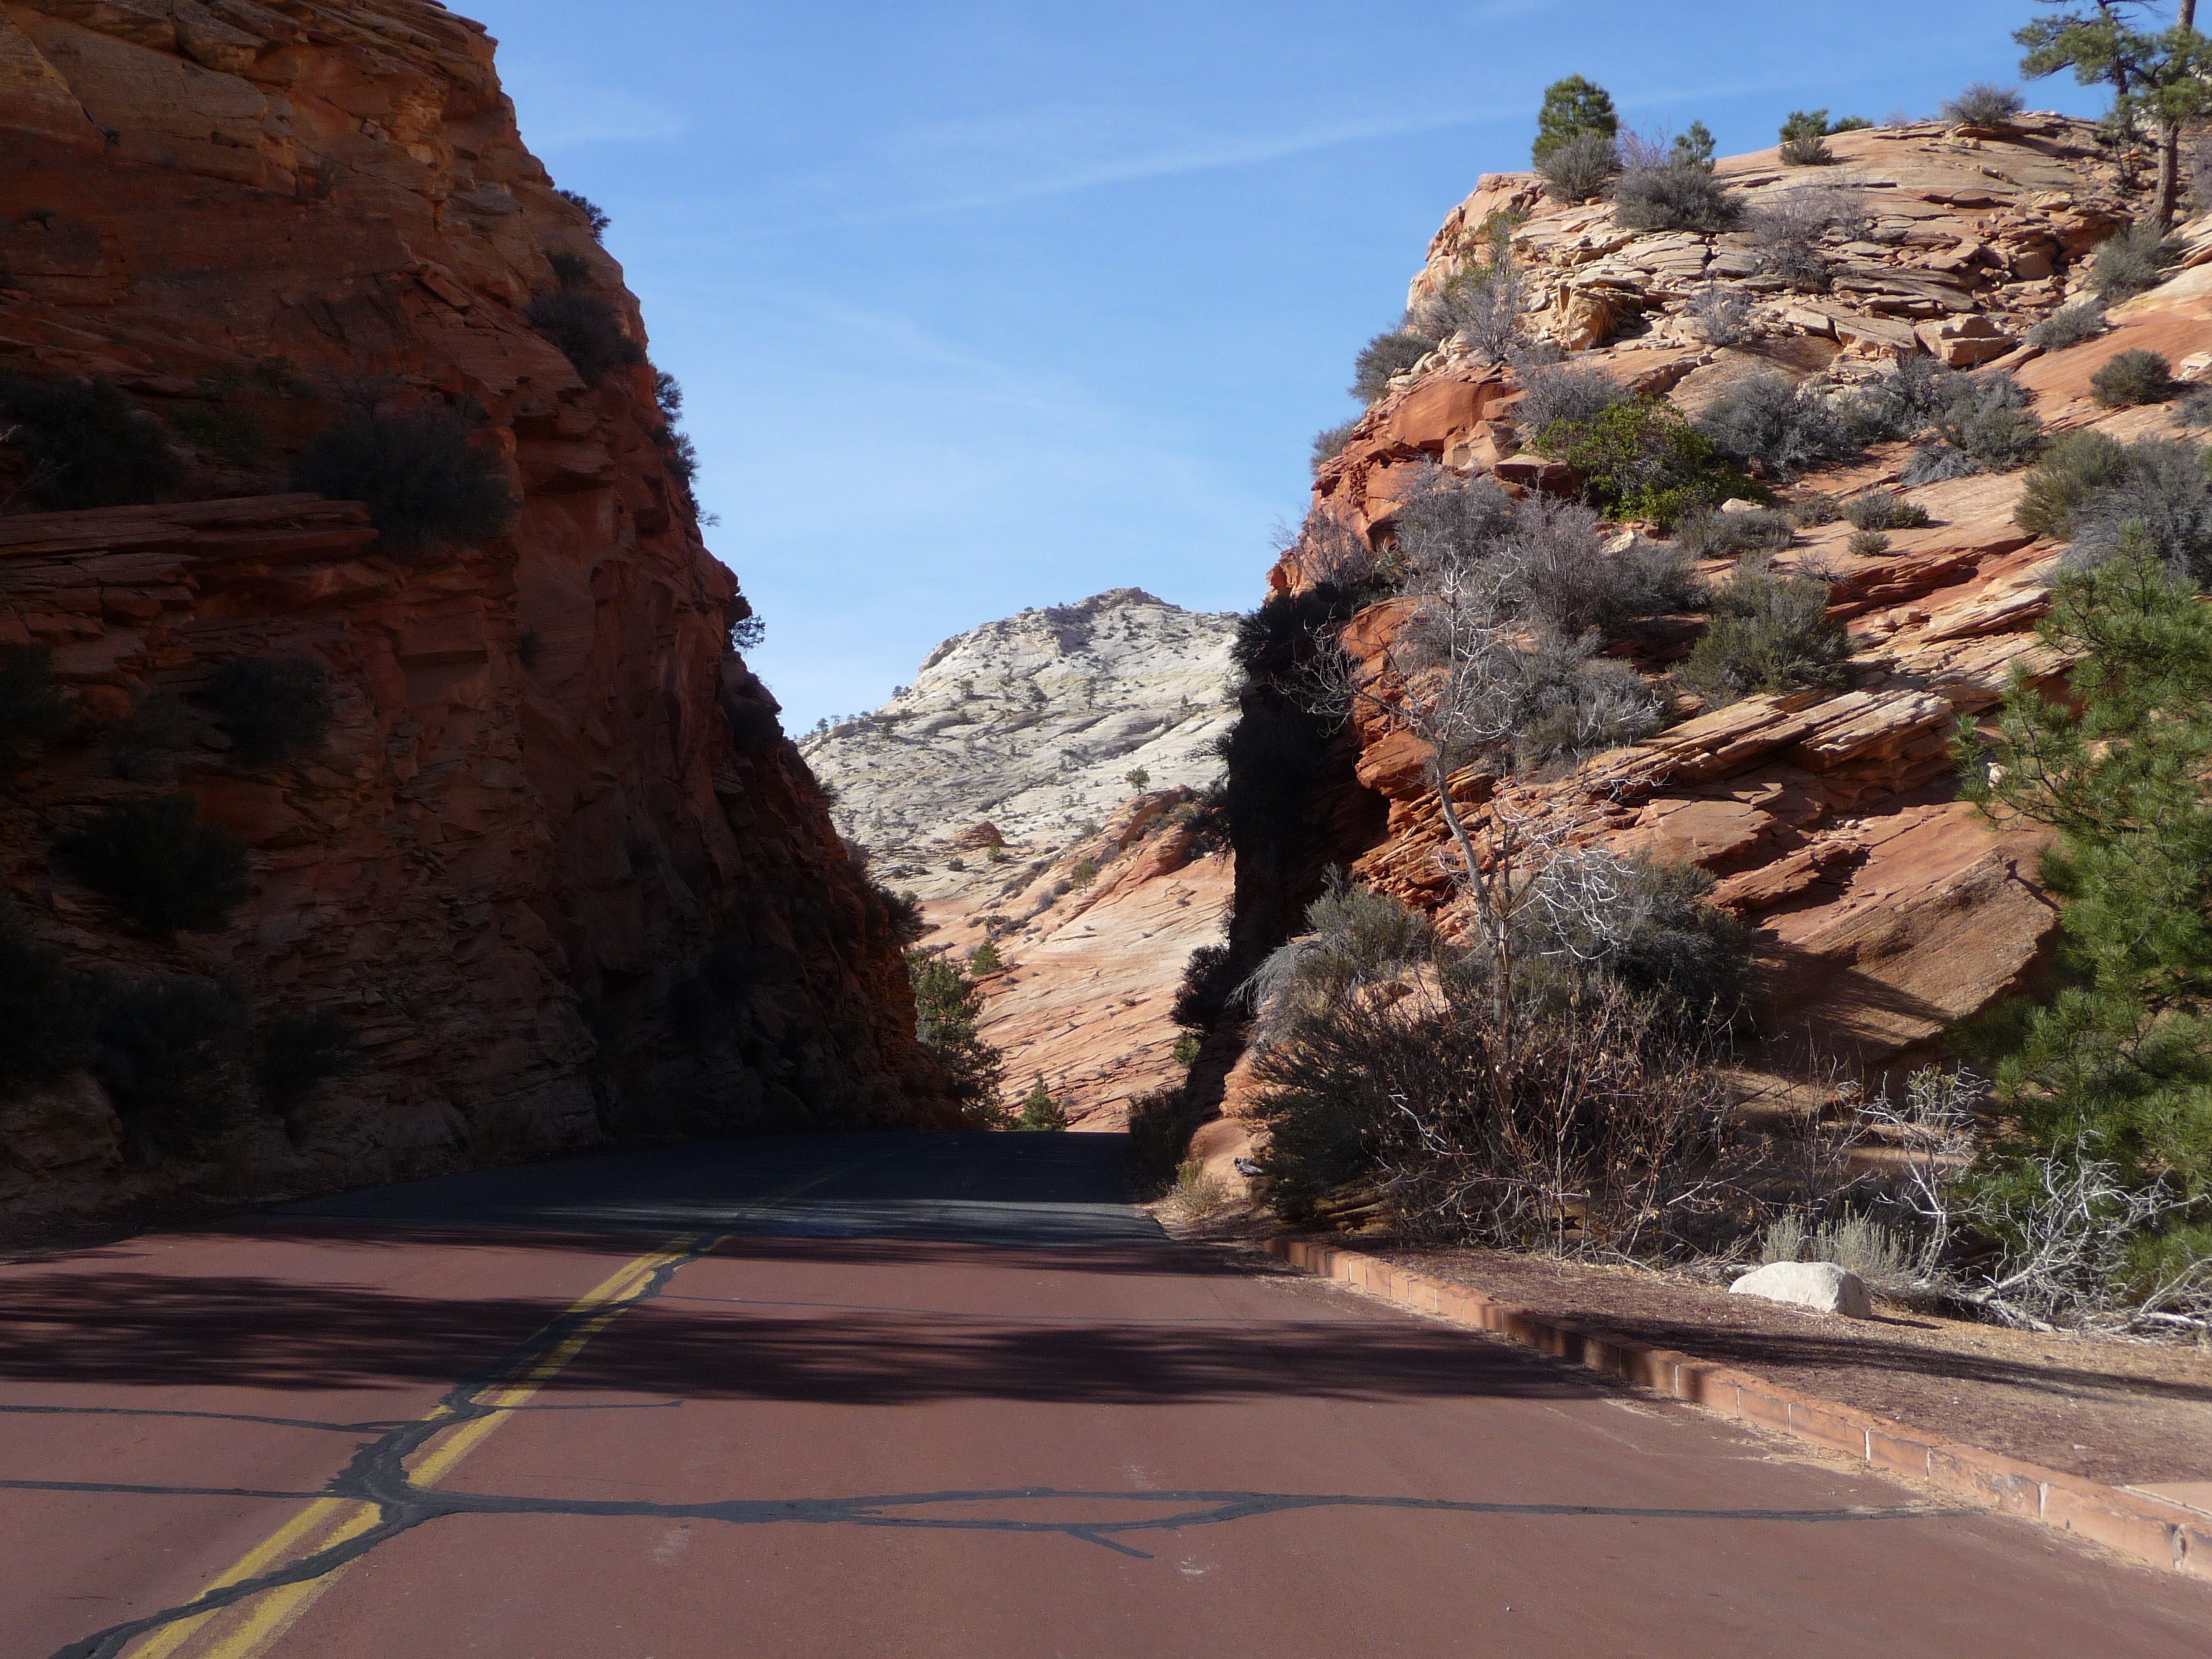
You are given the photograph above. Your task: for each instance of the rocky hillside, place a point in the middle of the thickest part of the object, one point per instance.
(997, 789)
(1032, 724)
(551, 872)
(1884, 908)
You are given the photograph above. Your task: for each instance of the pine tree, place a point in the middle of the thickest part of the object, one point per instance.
(1694, 147)
(947, 1006)
(1573, 108)
(1040, 1111)
(2158, 79)
(2118, 1066)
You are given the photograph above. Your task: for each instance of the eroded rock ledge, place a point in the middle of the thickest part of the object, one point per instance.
(1884, 907)
(555, 811)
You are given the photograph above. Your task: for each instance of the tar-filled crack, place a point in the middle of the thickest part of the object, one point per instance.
(378, 1476)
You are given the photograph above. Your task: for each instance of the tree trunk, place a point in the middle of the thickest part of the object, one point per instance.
(2169, 148)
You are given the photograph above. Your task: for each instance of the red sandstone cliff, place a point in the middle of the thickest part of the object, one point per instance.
(1884, 908)
(555, 805)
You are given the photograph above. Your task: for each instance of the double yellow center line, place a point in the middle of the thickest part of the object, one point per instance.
(248, 1629)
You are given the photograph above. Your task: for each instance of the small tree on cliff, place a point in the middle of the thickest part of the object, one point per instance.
(1573, 108)
(947, 1004)
(1040, 1111)
(2117, 1066)
(1456, 677)
(2159, 79)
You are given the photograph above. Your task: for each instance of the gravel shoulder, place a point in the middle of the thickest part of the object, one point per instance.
(2122, 1412)
(2126, 1413)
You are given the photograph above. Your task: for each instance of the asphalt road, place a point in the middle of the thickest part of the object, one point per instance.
(905, 1395)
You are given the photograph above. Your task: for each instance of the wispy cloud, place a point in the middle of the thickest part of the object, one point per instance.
(979, 165)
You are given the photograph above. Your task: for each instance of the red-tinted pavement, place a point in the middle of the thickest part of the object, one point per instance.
(911, 1395)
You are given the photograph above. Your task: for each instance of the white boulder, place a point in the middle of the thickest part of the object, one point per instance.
(1820, 1285)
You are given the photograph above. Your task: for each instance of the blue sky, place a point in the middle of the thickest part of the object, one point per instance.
(981, 306)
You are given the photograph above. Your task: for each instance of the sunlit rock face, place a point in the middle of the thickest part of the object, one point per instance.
(1884, 908)
(1004, 772)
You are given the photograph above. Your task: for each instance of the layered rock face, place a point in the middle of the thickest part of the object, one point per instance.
(555, 866)
(1883, 906)
(997, 789)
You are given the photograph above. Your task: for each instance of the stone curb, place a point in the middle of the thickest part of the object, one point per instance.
(2156, 1534)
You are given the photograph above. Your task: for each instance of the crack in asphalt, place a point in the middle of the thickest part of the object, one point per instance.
(377, 1475)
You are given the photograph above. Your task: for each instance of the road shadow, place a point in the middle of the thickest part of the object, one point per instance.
(147, 1329)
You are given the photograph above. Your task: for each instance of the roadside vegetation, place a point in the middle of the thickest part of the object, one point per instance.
(1534, 1058)
(947, 1004)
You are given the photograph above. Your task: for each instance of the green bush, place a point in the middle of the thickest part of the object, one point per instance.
(1988, 417)
(1991, 418)
(45, 1010)
(1209, 980)
(574, 271)
(34, 707)
(2070, 325)
(276, 708)
(1763, 419)
(427, 483)
(1160, 1125)
(160, 866)
(595, 217)
(1580, 168)
(1787, 231)
(1937, 463)
(1185, 1052)
(2133, 261)
(2075, 466)
(2196, 409)
(587, 329)
(984, 959)
(1769, 634)
(1722, 314)
(84, 444)
(166, 1053)
(947, 1006)
(1802, 133)
(2132, 378)
(1679, 195)
(1040, 1111)
(1866, 544)
(1709, 535)
(1561, 391)
(2161, 499)
(1816, 509)
(1540, 1125)
(1883, 509)
(302, 1050)
(1806, 149)
(1641, 460)
(1573, 702)
(1330, 442)
(1574, 108)
(1984, 104)
(1386, 355)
